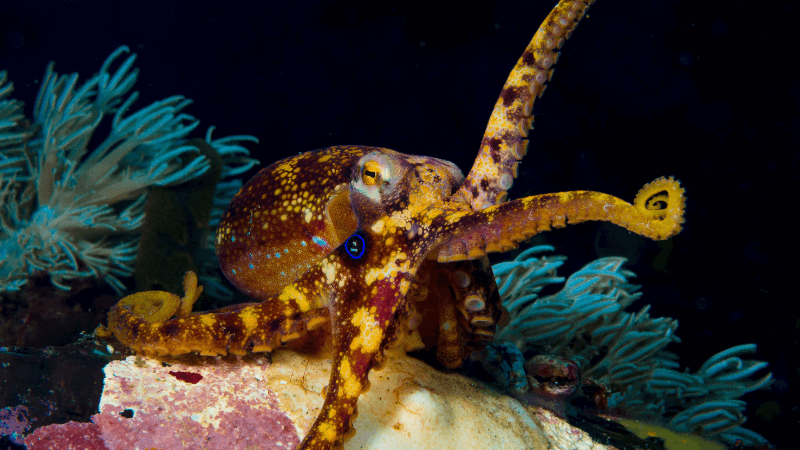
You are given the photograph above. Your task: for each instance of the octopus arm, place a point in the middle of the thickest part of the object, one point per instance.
(469, 309)
(144, 322)
(504, 142)
(362, 326)
(657, 213)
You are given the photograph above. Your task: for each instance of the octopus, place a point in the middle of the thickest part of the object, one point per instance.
(387, 249)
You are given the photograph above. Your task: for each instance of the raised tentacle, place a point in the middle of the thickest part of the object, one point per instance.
(504, 142)
(657, 213)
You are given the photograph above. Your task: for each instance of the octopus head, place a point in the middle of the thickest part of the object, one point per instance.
(387, 182)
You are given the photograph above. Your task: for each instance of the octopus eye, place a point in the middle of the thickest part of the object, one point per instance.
(355, 246)
(369, 175)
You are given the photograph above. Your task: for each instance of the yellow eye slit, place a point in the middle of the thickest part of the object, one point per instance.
(370, 173)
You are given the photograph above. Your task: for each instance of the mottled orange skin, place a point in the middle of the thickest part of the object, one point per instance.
(423, 278)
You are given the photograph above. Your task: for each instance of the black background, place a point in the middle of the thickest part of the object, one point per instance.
(704, 91)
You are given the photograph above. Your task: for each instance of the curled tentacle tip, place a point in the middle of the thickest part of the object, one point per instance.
(663, 204)
(191, 293)
(152, 306)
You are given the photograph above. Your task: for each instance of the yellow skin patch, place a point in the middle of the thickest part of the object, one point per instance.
(328, 433)
(351, 386)
(400, 219)
(250, 320)
(329, 270)
(292, 293)
(371, 334)
(208, 321)
(377, 227)
(342, 234)
(390, 270)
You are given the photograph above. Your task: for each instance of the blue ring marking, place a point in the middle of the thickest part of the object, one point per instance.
(355, 246)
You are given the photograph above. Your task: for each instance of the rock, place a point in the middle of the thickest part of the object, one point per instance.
(255, 402)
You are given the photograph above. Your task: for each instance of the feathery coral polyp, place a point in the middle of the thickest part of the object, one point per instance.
(73, 211)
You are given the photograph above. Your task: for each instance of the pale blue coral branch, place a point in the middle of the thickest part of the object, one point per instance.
(612, 330)
(762, 383)
(520, 302)
(751, 367)
(532, 324)
(716, 411)
(5, 89)
(72, 211)
(742, 434)
(163, 158)
(236, 156)
(194, 168)
(586, 321)
(10, 166)
(723, 355)
(534, 250)
(547, 335)
(110, 88)
(73, 261)
(521, 280)
(506, 286)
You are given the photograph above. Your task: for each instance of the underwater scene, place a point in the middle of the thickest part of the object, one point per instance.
(334, 224)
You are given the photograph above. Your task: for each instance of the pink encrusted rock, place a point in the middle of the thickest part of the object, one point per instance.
(230, 403)
(14, 422)
(67, 436)
(251, 403)
(214, 404)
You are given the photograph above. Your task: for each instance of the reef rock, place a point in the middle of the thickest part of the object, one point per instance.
(270, 403)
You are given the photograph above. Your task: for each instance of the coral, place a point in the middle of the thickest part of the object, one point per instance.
(586, 322)
(73, 211)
